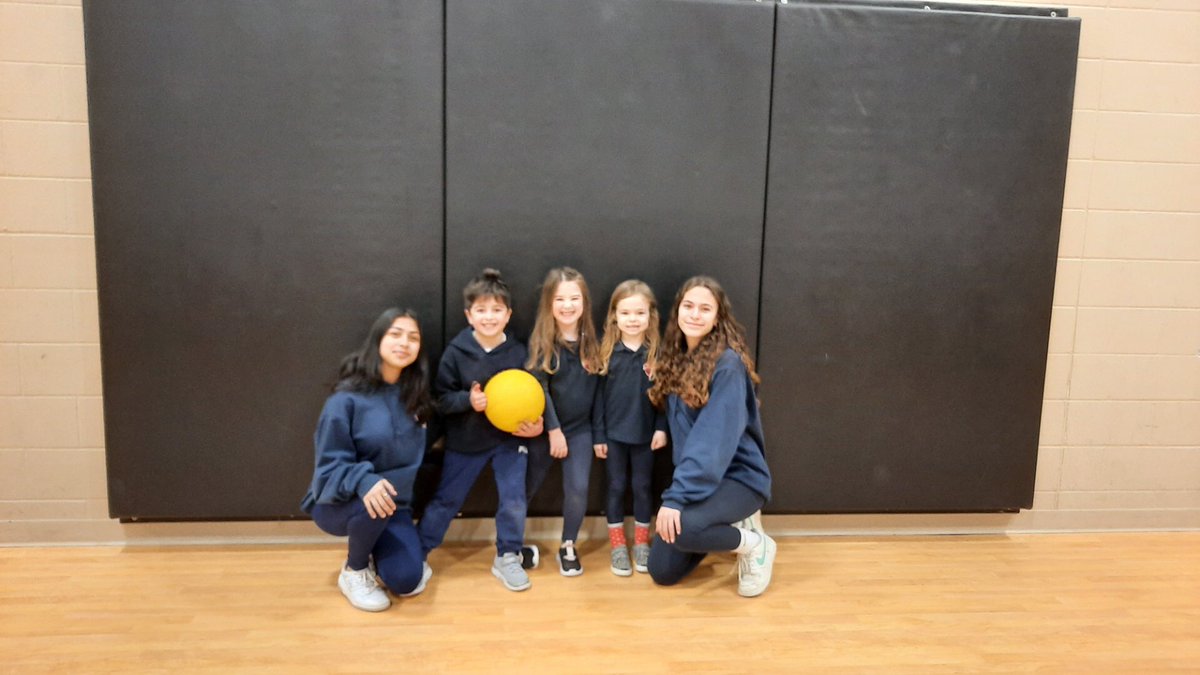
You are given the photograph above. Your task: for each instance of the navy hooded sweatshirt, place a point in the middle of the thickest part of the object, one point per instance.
(721, 439)
(623, 413)
(464, 362)
(570, 392)
(360, 439)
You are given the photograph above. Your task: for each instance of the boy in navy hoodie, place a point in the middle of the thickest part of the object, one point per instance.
(476, 354)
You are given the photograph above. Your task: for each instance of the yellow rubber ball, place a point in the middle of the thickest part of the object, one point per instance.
(513, 396)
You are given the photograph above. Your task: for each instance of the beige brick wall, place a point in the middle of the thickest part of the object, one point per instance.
(1120, 443)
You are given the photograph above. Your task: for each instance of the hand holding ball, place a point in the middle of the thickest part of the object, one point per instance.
(513, 396)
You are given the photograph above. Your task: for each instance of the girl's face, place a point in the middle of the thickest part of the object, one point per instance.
(697, 314)
(567, 306)
(633, 316)
(399, 347)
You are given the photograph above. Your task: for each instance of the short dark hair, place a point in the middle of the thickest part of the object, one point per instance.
(487, 285)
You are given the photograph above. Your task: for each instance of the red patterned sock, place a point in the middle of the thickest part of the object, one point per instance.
(616, 534)
(641, 533)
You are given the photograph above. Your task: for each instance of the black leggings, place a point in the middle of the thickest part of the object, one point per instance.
(704, 528)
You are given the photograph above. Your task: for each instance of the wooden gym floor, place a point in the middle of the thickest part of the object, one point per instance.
(1050, 603)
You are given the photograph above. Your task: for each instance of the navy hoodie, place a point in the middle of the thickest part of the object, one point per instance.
(722, 439)
(570, 392)
(623, 412)
(464, 362)
(360, 439)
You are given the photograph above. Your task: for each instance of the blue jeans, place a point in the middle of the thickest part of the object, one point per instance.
(704, 527)
(393, 541)
(641, 459)
(576, 467)
(459, 471)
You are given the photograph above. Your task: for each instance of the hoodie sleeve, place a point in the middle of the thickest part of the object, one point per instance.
(452, 397)
(550, 417)
(660, 420)
(339, 476)
(713, 440)
(599, 429)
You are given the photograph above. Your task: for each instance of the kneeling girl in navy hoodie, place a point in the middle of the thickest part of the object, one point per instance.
(706, 380)
(370, 440)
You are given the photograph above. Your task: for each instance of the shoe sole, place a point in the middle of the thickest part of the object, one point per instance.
(534, 557)
(620, 572)
(642, 568)
(525, 586)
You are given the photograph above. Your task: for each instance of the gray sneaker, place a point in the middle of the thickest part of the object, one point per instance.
(641, 557)
(620, 561)
(507, 568)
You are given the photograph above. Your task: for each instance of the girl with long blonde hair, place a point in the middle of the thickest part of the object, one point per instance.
(627, 427)
(564, 357)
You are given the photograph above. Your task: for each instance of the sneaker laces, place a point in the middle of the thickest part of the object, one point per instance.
(363, 579)
(510, 562)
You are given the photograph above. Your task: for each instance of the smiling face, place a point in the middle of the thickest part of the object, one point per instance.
(633, 317)
(697, 314)
(567, 308)
(399, 348)
(489, 317)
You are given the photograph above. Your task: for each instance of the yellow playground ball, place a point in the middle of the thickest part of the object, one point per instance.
(513, 396)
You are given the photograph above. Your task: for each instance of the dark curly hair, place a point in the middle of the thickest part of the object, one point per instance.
(688, 374)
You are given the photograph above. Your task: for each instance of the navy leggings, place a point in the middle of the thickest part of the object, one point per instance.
(620, 457)
(576, 468)
(393, 541)
(704, 528)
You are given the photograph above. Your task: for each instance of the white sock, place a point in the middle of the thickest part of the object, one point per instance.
(750, 539)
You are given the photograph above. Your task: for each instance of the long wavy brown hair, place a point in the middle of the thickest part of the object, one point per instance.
(689, 373)
(545, 340)
(612, 333)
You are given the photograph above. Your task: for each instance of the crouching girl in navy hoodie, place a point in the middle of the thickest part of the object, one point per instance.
(706, 380)
(370, 440)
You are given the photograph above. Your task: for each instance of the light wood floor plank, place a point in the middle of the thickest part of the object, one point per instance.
(1044, 603)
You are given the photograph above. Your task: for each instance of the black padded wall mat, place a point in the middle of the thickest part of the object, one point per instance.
(267, 177)
(915, 191)
(623, 138)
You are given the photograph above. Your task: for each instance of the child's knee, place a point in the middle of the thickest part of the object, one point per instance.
(400, 578)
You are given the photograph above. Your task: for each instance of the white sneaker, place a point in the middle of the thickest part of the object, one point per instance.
(426, 574)
(361, 589)
(754, 568)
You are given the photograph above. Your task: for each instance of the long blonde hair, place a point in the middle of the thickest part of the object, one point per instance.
(688, 373)
(612, 333)
(545, 340)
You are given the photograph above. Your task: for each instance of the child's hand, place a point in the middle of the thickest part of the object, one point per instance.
(377, 500)
(601, 450)
(478, 398)
(558, 444)
(659, 440)
(529, 429)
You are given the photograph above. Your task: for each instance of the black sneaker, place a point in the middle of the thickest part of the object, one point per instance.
(568, 561)
(530, 557)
